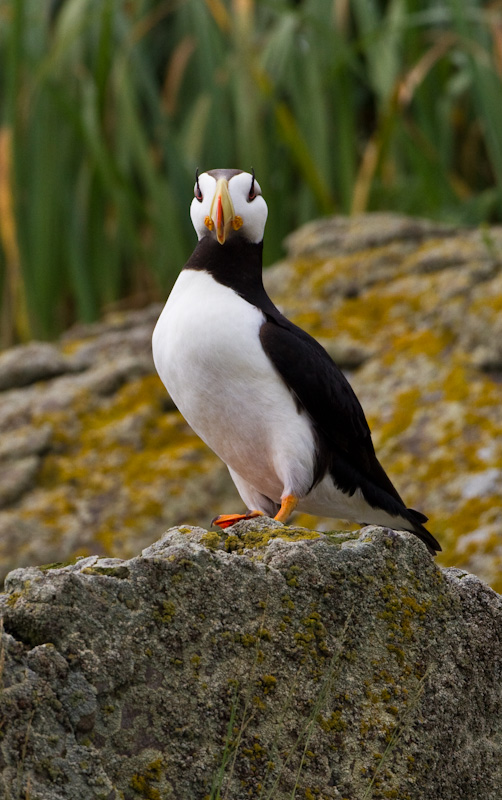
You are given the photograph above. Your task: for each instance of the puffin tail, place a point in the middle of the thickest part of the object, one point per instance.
(416, 518)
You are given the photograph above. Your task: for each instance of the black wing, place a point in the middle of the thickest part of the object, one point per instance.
(321, 389)
(344, 439)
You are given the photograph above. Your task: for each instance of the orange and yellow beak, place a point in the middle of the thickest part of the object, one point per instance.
(222, 217)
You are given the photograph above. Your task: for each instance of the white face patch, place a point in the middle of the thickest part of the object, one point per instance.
(248, 205)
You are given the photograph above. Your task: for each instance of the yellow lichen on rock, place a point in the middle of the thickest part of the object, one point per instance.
(409, 308)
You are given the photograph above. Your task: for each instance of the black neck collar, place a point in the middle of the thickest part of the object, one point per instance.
(236, 264)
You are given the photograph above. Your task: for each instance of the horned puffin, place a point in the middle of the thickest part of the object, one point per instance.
(257, 389)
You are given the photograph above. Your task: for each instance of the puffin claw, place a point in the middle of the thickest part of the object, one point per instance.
(226, 520)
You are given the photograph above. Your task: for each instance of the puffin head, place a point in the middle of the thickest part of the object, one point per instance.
(227, 203)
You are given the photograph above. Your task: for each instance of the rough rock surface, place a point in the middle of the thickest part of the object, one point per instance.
(94, 459)
(267, 662)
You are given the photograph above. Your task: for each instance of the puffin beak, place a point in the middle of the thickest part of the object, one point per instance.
(222, 215)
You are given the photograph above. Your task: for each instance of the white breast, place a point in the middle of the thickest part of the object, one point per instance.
(207, 351)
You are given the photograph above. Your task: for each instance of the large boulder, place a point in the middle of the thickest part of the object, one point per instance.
(95, 459)
(264, 662)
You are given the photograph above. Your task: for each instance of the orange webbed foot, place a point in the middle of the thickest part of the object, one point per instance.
(226, 520)
(288, 505)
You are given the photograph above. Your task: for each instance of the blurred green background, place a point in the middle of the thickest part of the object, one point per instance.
(108, 106)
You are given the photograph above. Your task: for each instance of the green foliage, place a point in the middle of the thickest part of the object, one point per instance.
(108, 106)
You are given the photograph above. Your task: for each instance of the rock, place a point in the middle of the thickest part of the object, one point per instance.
(24, 542)
(482, 484)
(347, 353)
(411, 309)
(24, 442)
(17, 478)
(26, 364)
(265, 661)
(333, 236)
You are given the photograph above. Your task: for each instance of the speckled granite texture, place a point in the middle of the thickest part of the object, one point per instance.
(267, 662)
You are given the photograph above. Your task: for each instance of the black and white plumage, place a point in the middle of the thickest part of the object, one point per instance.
(261, 392)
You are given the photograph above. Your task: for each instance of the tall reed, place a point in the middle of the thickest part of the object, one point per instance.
(108, 106)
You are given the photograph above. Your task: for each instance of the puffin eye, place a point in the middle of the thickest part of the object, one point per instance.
(197, 190)
(252, 194)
